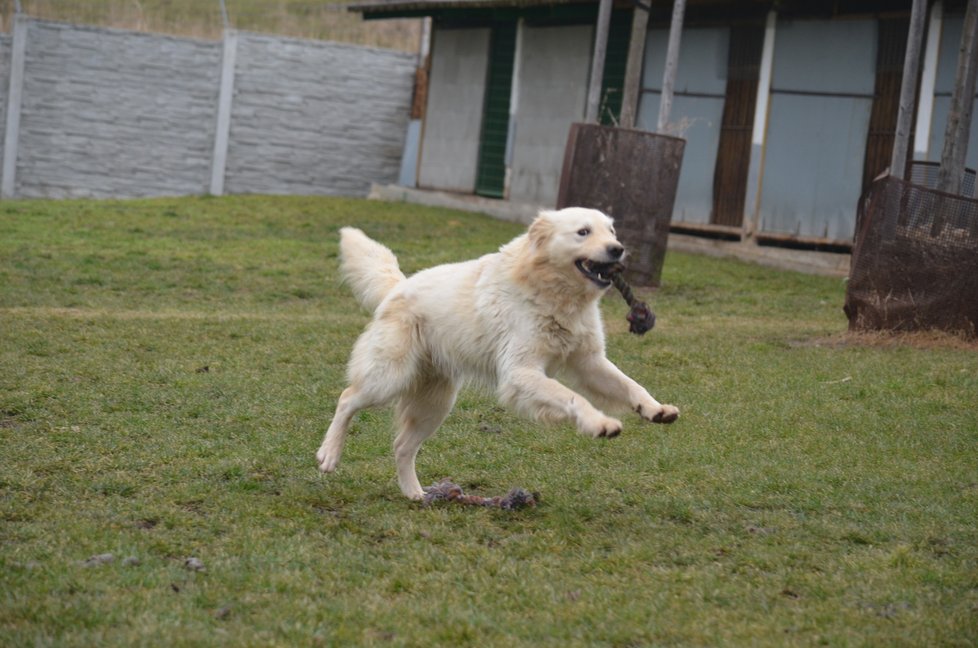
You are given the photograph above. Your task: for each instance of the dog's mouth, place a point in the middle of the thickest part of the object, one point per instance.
(598, 273)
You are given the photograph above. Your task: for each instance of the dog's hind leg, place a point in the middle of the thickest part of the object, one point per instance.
(419, 413)
(352, 400)
(383, 365)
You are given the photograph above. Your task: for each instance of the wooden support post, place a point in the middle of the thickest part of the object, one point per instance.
(597, 61)
(959, 114)
(18, 54)
(633, 66)
(672, 63)
(928, 79)
(908, 90)
(222, 136)
(755, 172)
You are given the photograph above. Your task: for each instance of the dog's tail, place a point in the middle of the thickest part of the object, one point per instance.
(370, 268)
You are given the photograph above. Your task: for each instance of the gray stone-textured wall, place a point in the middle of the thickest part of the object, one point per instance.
(313, 117)
(111, 113)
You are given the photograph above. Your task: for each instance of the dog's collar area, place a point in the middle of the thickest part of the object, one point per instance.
(598, 273)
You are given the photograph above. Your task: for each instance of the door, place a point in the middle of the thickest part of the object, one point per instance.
(491, 174)
(733, 153)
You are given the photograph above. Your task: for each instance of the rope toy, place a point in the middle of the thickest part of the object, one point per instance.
(640, 318)
(446, 491)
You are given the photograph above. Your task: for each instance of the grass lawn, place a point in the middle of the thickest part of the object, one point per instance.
(168, 367)
(318, 19)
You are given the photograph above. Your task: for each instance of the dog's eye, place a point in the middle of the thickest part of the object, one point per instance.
(584, 231)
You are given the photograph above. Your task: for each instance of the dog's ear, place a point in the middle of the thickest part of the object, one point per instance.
(541, 229)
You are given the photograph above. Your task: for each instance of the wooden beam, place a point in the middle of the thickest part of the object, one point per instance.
(597, 61)
(672, 64)
(959, 114)
(908, 90)
(928, 79)
(762, 105)
(633, 66)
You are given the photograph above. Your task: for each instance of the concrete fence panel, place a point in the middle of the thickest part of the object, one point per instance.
(113, 113)
(312, 117)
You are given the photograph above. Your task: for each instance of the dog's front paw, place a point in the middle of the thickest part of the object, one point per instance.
(602, 427)
(658, 414)
(327, 460)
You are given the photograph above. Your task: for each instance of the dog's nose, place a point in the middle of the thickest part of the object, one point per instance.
(615, 251)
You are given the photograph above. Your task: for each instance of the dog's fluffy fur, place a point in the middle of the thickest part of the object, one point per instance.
(509, 320)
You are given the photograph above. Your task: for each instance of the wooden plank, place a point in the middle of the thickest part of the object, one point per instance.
(633, 66)
(908, 90)
(928, 79)
(597, 61)
(959, 114)
(718, 231)
(755, 174)
(672, 65)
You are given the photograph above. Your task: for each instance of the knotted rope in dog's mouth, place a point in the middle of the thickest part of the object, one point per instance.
(640, 318)
(447, 491)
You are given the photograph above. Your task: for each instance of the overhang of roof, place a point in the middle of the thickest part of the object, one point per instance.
(661, 9)
(412, 6)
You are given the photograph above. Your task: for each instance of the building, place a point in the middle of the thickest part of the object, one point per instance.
(788, 108)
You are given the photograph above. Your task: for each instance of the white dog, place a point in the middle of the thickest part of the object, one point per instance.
(509, 320)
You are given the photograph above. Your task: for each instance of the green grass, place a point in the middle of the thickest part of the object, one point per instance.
(318, 19)
(815, 491)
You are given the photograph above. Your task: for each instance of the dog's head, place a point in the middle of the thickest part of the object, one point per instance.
(580, 243)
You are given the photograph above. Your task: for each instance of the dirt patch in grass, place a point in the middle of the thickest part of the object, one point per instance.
(9, 419)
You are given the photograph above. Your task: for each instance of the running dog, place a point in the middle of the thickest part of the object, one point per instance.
(510, 320)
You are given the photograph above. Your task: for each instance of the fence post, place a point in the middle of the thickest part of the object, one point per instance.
(223, 131)
(18, 53)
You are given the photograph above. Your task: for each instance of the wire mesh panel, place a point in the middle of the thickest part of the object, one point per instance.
(914, 261)
(925, 173)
